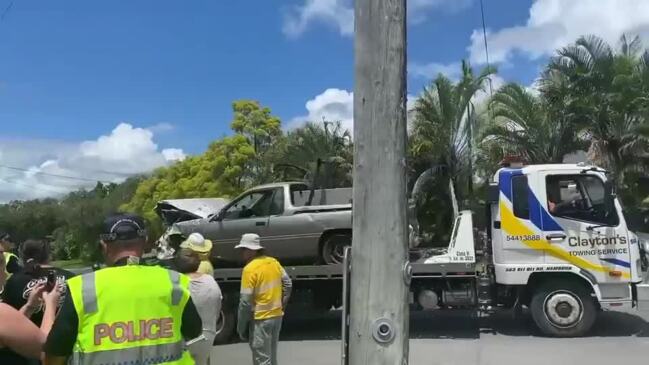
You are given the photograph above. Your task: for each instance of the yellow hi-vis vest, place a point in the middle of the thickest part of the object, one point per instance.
(130, 315)
(262, 281)
(8, 256)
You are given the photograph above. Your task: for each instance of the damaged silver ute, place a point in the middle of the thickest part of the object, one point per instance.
(296, 224)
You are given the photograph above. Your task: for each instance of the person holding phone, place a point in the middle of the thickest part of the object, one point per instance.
(22, 289)
(21, 342)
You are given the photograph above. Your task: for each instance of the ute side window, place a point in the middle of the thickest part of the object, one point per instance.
(579, 197)
(277, 204)
(255, 204)
(520, 199)
(299, 194)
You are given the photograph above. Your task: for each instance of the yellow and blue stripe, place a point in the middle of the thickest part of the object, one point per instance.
(542, 220)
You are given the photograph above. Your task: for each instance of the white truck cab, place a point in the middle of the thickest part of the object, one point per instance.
(558, 231)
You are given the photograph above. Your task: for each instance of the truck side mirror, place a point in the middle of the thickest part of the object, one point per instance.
(493, 193)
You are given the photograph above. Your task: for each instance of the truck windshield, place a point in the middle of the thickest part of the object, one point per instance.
(580, 197)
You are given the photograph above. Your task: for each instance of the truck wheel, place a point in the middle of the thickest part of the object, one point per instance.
(225, 325)
(565, 310)
(333, 248)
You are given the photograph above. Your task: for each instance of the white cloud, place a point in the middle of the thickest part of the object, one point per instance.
(430, 70)
(173, 154)
(54, 168)
(339, 14)
(161, 127)
(336, 13)
(335, 105)
(331, 105)
(533, 88)
(555, 23)
(483, 96)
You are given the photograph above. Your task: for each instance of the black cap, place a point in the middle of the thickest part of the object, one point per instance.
(123, 227)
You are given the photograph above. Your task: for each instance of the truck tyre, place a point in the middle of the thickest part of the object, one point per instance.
(225, 325)
(333, 248)
(563, 310)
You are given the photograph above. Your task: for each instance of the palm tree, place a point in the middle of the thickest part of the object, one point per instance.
(441, 146)
(444, 125)
(607, 94)
(523, 124)
(328, 143)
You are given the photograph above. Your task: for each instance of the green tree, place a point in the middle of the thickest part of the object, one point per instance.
(606, 92)
(256, 123)
(262, 131)
(328, 142)
(218, 172)
(229, 166)
(442, 139)
(83, 213)
(73, 223)
(521, 126)
(444, 122)
(30, 219)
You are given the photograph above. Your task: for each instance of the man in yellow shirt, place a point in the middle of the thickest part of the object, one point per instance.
(265, 290)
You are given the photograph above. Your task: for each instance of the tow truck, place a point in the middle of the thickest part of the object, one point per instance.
(557, 243)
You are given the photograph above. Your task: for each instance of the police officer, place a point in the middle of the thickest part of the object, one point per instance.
(125, 313)
(265, 290)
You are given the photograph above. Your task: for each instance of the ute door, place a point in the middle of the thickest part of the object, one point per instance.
(247, 214)
(292, 237)
(583, 229)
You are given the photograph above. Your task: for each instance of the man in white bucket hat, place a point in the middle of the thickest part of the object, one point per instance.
(265, 290)
(197, 243)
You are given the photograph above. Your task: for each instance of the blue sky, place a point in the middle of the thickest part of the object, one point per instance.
(72, 71)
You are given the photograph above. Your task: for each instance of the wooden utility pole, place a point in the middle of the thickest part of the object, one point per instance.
(378, 332)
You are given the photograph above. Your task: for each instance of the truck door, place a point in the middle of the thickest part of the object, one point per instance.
(583, 229)
(519, 234)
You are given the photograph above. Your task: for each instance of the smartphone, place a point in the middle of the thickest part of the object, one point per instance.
(51, 281)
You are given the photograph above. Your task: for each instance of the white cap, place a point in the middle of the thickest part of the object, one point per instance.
(196, 242)
(250, 241)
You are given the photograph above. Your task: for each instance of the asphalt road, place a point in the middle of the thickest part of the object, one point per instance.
(457, 338)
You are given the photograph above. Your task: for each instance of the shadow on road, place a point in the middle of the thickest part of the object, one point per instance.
(457, 324)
